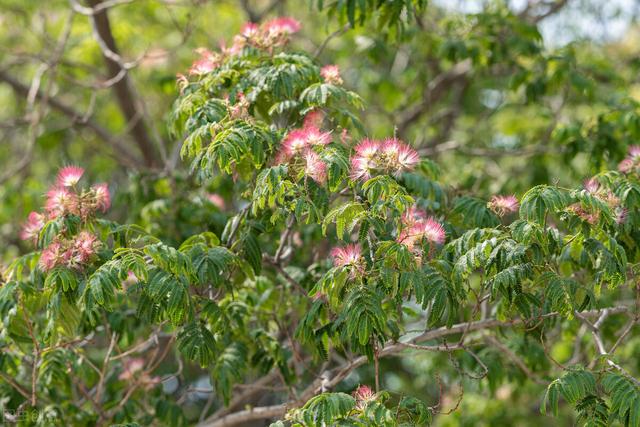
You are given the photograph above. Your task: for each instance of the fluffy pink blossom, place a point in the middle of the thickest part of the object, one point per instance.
(207, 62)
(621, 215)
(634, 152)
(363, 162)
(412, 216)
(432, 230)
(60, 201)
(69, 176)
(283, 25)
(102, 196)
(363, 392)
(391, 156)
(294, 143)
(428, 229)
(368, 149)
(592, 185)
(363, 395)
(53, 255)
(590, 217)
(502, 205)
(400, 156)
(84, 247)
(626, 165)
(331, 74)
(313, 119)
(299, 140)
(315, 168)
(347, 255)
(216, 200)
(315, 136)
(632, 161)
(33, 225)
(249, 30)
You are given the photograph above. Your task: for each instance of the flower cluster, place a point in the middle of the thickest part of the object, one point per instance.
(418, 226)
(331, 74)
(349, 256)
(73, 253)
(632, 162)
(390, 156)
(65, 199)
(503, 205)
(299, 145)
(271, 34)
(593, 187)
(363, 395)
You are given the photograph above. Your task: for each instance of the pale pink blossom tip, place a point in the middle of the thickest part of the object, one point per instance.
(69, 176)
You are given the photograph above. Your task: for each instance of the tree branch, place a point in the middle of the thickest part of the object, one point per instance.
(434, 91)
(128, 157)
(341, 372)
(122, 86)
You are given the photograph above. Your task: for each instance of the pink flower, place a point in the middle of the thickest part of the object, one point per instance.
(391, 156)
(621, 215)
(102, 196)
(592, 185)
(590, 217)
(315, 136)
(284, 25)
(331, 74)
(368, 148)
(31, 228)
(432, 230)
(52, 256)
(347, 255)
(249, 30)
(69, 176)
(207, 62)
(503, 205)
(428, 228)
(315, 168)
(294, 143)
(216, 200)
(399, 156)
(299, 140)
(60, 201)
(84, 247)
(634, 152)
(363, 395)
(626, 165)
(313, 119)
(363, 161)
(412, 216)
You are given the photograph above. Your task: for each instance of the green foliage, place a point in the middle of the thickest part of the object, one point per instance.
(280, 304)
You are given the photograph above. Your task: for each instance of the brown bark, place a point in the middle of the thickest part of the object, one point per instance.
(123, 88)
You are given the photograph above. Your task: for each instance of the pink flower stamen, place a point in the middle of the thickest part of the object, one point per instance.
(69, 176)
(503, 205)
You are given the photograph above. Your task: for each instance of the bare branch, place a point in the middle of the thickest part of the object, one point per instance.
(341, 372)
(434, 91)
(122, 87)
(128, 157)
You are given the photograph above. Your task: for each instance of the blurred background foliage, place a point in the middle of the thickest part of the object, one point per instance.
(502, 95)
